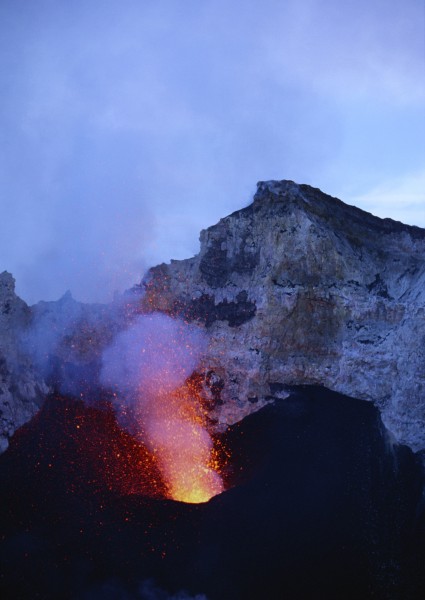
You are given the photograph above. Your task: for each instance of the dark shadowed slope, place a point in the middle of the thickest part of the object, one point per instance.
(319, 505)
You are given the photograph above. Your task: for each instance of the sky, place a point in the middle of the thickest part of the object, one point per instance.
(127, 126)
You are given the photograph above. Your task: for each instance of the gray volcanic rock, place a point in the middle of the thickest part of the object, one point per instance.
(296, 288)
(22, 389)
(300, 288)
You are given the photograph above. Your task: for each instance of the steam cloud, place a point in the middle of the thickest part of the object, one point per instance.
(110, 112)
(154, 357)
(56, 337)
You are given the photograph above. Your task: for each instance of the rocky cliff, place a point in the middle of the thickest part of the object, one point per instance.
(22, 389)
(296, 288)
(299, 288)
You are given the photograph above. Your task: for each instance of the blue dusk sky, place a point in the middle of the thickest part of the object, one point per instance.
(127, 126)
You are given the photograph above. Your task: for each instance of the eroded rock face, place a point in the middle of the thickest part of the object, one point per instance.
(22, 389)
(296, 288)
(299, 288)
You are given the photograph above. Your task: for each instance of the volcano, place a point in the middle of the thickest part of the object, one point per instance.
(244, 424)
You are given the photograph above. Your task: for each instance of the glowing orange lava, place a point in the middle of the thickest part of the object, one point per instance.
(183, 447)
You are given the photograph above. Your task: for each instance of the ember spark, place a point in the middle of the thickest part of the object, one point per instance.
(149, 368)
(183, 447)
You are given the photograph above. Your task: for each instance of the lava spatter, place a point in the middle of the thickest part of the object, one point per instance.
(148, 369)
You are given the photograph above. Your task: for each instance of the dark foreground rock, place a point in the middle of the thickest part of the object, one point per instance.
(296, 288)
(320, 504)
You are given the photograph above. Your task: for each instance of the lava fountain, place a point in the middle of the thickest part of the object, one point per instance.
(179, 439)
(149, 367)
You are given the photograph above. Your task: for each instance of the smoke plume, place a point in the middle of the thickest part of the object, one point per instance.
(151, 358)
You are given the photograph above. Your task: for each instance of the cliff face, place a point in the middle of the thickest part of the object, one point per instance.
(296, 288)
(48, 346)
(22, 389)
(299, 288)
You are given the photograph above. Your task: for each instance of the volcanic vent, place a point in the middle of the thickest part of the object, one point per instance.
(148, 368)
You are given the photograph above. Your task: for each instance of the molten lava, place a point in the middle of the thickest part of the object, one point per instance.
(185, 455)
(175, 430)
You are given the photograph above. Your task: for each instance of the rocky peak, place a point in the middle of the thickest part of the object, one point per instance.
(298, 288)
(11, 307)
(338, 214)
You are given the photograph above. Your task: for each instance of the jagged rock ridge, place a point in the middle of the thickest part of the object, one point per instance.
(300, 288)
(296, 288)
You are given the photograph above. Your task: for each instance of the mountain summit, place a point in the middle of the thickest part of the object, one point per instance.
(300, 288)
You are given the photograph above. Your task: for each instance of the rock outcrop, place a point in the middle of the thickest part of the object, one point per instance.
(296, 288)
(300, 288)
(22, 388)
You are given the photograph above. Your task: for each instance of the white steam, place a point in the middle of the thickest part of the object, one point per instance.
(64, 340)
(154, 357)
